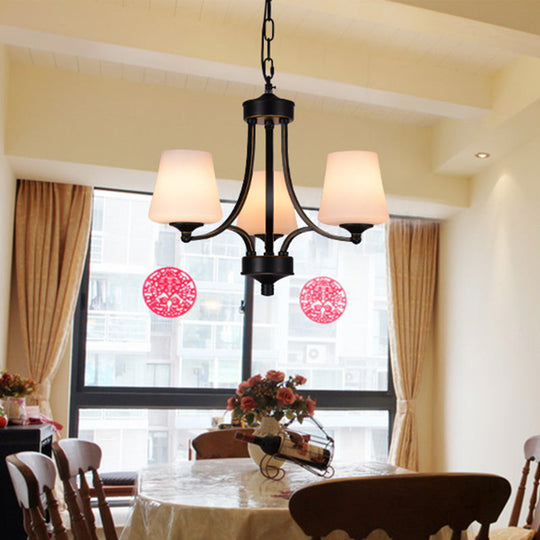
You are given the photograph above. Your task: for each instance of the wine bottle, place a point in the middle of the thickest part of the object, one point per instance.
(294, 450)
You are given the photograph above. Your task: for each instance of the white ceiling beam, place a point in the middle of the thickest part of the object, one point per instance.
(342, 69)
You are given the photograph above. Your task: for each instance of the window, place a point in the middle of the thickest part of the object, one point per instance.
(153, 383)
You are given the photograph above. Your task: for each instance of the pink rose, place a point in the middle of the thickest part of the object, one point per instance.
(298, 397)
(275, 376)
(286, 396)
(247, 403)
(242, 387)
(310, 403)
(298, 379)
(231, 403)
(252, 381)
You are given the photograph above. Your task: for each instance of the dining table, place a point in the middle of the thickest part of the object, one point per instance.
(228, 499)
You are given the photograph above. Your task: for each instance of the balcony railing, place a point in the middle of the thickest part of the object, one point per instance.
(118, 327)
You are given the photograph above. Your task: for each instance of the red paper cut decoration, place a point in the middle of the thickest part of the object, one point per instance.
(323, 300)
(169, 292)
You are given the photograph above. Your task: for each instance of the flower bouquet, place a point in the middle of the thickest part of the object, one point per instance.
(273, 396)
(13, 391)
(13, 385)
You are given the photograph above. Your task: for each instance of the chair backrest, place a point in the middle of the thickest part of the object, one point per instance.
(33, 476)
(531, 449)
(220, 444)
(74, 458)
(407, 507)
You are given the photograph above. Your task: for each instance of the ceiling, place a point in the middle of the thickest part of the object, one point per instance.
(432, 63)
(385, 42)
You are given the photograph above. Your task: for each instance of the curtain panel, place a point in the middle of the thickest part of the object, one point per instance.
(412, 253)
(52, 226)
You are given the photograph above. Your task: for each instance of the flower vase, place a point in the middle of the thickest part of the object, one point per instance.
(268, 426)
(15, 408)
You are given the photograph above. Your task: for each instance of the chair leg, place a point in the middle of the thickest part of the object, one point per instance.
(37, 525)
(86, 505)
(59, 531)
(27, 524)
(78, 523)
(534, 496)
(103, 506)
(483, 534)
(516, 510)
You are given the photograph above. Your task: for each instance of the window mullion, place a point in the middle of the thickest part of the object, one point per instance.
(78, 349)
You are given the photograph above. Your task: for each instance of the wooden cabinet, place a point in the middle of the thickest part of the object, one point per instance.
(15, 439)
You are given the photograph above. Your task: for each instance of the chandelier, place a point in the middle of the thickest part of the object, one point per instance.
(186, 195)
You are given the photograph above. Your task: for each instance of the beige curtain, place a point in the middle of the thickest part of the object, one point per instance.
(412, 251)
(52, 225)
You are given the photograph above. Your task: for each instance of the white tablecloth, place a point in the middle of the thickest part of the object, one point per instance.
(225, 499)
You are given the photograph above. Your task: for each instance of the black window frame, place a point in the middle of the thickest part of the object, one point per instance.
(131, 397)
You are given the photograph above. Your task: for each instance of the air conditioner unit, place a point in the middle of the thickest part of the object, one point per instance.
(352, 378)
(316, 354)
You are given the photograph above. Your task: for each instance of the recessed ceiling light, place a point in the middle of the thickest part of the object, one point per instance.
(482, 155)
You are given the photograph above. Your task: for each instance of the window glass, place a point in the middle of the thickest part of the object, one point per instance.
(204, 354)
(127, 344)
(137, 438)
(348, 354)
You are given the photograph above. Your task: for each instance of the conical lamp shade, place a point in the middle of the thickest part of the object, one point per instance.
(353, 190)
(186, 189)
(252, 216)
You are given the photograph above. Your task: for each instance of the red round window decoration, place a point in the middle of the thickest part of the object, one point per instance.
(169, 292)
(323, 300)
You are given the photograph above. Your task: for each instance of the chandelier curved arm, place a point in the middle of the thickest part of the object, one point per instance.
(284, 251)
(288, 182)
(248, 175)
(248, 240)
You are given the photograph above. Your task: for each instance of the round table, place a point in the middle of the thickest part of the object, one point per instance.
(225, 499)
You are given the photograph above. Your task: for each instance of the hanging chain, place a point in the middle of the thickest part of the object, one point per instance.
(267, 63)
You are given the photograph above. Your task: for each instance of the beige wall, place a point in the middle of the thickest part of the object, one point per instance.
(7, 200)
(112, 123)
(488, 344)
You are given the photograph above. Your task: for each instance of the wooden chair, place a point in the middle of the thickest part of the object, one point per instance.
(118, 484)
(220, 444)
(528, 530)
(33, 476)
(407, 507)
(74, 458)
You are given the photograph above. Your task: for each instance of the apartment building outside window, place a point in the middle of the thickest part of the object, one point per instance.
(153, 383)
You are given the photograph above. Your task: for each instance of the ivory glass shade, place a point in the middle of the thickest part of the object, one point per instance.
(252, 217)
(186, 189)
(353, 190)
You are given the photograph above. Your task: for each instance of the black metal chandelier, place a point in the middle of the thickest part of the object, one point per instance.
(186, 196)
